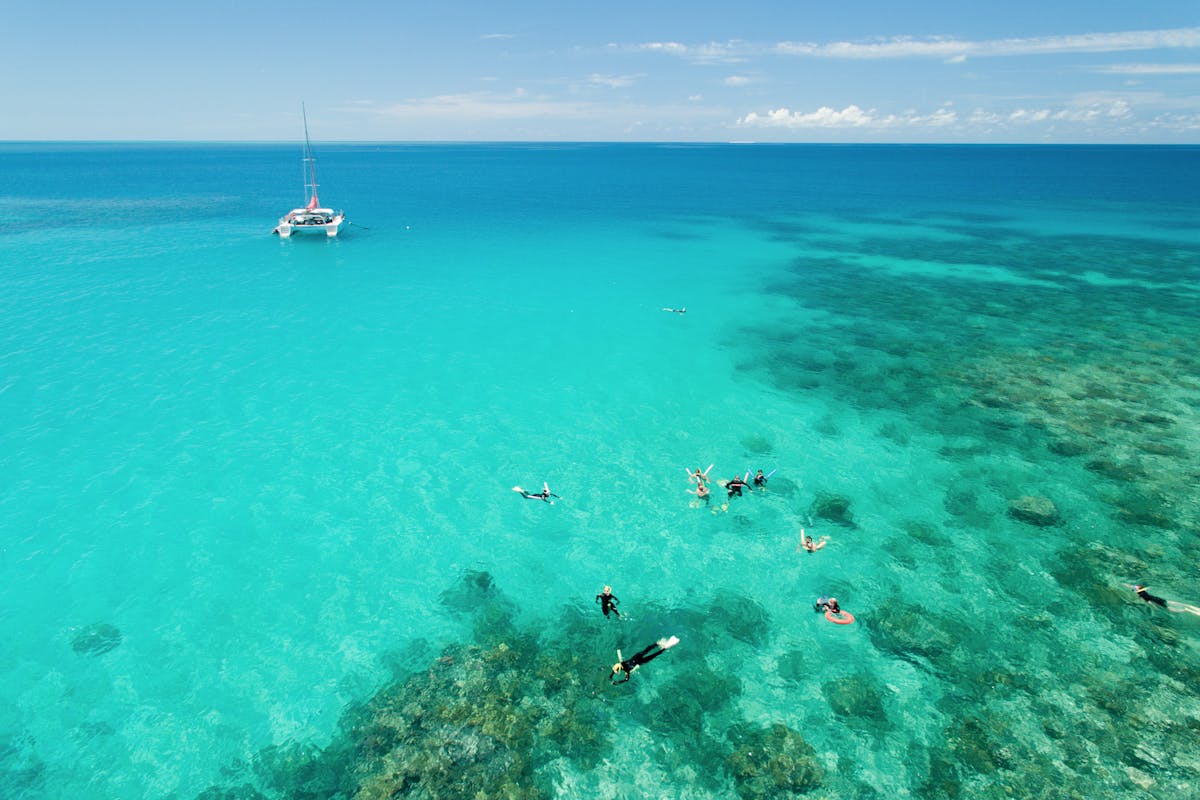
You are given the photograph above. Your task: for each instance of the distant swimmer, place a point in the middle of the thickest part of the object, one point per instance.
(676, 310)
(735, 486)
(701, 491)
(625, 667)
(608, 601)
(807, 543)
(544, 494)
(1169, 605)
(699, 476)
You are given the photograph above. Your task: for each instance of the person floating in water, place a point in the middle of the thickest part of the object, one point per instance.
(807, 543)
(735, 486)
(676, 310)
(1169, 605)
(699, 476)
(608, 601)
(625, 667)
(544, 494)
(701, 491)
(760, 480)
(829, 604)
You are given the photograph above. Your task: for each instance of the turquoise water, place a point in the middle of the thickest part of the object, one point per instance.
(257, 526)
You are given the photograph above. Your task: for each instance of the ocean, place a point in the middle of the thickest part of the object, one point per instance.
(258, 533)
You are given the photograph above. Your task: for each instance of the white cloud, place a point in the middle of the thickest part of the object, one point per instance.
(1085, 110)
(612, 81)
(498, 36)
(953, 50)
(736, 80)
(731, 52)
(1080, 111)
(1150, 69)
(489, 106)
(851, 116)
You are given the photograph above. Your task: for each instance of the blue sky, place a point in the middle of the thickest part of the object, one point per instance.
(792, 70)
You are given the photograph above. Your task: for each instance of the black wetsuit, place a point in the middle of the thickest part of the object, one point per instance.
(608, 602)
(735, 487)
(542, 495)
(760, 479)
(630, 664)
(1149, 598)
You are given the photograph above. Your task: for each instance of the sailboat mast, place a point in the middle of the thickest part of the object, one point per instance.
(310, 166)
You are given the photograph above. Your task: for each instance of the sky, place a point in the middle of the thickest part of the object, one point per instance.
(1100, 71)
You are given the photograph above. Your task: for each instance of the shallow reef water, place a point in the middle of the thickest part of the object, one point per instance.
(277, 476)
(1068, 410)
(514, 711)
(1052, 416)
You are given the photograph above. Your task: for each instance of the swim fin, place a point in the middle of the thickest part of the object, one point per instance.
(518, 489)
(667, 644)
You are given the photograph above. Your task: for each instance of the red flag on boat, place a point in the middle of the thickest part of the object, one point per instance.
(313, 203)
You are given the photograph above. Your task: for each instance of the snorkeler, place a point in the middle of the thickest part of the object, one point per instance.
(626, 666)
(608, 601)
(544, 494)
(833, 612)
(676, 310)
(807, 543)
(1141, 592)
(735, 486)
(760, 480)
(827, 604)
(1169, 605)
(699, 476)
(701, 491)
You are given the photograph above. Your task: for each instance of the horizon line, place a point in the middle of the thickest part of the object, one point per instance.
(708, 142)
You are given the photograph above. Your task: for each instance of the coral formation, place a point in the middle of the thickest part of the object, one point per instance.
(832, 507)
(95, 639)
(773, 762)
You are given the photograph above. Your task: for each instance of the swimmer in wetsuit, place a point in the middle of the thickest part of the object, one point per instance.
(735, 486)
(1141, 592)
(645, 656)
(1169, 605)
(608, 601)
(677, 310)
(760, 480)
(544, 494)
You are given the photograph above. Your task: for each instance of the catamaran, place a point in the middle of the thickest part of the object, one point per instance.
(312, 218)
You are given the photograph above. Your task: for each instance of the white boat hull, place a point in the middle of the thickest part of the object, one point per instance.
(292, 225)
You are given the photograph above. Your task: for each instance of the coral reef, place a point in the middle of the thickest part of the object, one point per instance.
(497, 718)
(1035, 510)
(773, 762)
(95, 639)
(856, 699)
(832, 507)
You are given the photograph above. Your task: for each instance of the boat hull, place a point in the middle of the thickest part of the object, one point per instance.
(288, 227)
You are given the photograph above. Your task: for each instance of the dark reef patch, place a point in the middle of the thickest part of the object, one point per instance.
(95, 639)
